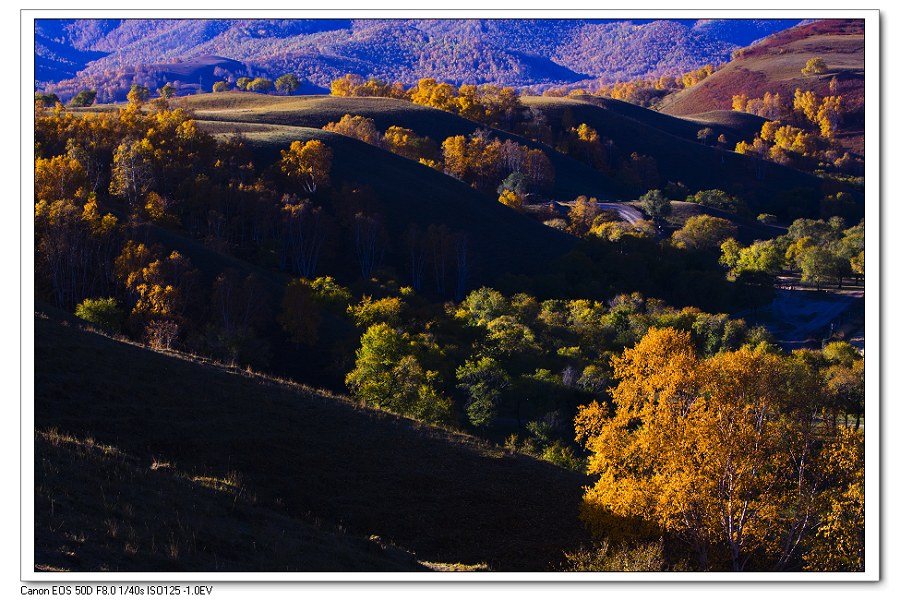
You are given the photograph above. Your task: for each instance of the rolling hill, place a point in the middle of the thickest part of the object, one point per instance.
(572, 177)
(679, 157)
(315, 470)
(670, 141)
(774, 65)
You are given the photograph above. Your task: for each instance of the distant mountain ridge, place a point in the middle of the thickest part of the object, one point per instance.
(514, 52)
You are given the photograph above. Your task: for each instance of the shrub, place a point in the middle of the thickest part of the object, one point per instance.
(103, 312)
(640, 557)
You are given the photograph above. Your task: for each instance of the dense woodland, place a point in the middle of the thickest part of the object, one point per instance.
(710, 447)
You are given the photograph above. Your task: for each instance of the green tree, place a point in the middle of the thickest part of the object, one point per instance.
(483, 381)
(717, 199)
(138, 94)
(388, 375)
(858, 264)
(103, 312)
(385, 310)
(703, 232)
(243, 82)
(817, 264)
(261, 85)
(220, 86)
(83, 98)
(167, 91)
(656, 205)
(482, 306)
(46, 100)
(287, 84)
(330, 293)
(762, 256)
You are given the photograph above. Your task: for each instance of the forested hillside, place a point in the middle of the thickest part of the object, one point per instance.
(110, 55)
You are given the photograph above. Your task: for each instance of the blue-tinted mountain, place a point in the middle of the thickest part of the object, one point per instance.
(73, 54)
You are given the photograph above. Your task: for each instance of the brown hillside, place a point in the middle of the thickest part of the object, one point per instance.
(300, 454)
(774, 65)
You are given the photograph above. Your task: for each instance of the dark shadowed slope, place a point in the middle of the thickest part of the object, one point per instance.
(443, 496)
(100, 509)
(500, 240)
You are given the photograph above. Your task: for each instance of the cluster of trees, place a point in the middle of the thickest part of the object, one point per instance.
(701, 232)
(488, 104)
(399, 140)
(488, 164)
(631, 171)
(107, 183)
(113, 85)
(643, 92)
(511, 364)
(806, 109)
(798, 134)
(352, 84)
(286, 84)
(820, 251)
(514, 170)
(734, 460)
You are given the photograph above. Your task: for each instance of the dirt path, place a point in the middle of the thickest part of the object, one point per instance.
(626, 212)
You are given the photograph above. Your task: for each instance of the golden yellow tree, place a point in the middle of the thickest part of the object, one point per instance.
(839, 544)
(361, 128)
(511, 199)
(308, 163)
(58, 178)
(718, 452)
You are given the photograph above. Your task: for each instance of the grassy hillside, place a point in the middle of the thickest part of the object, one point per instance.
(572, 177)
(302, 456)
(774, 65)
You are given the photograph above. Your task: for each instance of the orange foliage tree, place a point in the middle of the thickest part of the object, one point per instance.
(723, 453)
